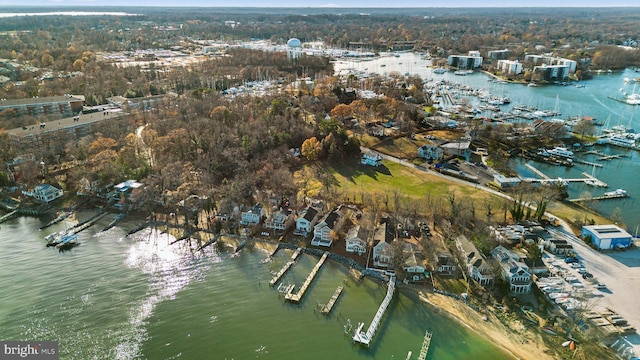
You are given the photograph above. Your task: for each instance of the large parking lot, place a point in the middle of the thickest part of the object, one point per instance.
(618, 271)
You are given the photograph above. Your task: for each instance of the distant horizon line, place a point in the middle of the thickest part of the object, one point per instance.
(315, 7)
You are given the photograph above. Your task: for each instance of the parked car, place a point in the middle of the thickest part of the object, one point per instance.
(587, 275)
(571, 260)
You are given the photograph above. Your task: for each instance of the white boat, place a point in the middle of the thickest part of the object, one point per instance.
(616, 193)
(633, 99)
(561, 152)
(460, 72)
(532, 85)
(619, 140)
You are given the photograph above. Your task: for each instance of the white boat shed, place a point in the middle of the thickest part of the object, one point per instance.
(606, 237)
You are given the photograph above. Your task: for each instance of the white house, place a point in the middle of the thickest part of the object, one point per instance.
(371, 158)
(356, 240)
(45, 193)
(306, 221)
(279, 220)
(252, 216)
(325, 230)
(382, 248)
(513, 270)
(476, 264)
(430, 152)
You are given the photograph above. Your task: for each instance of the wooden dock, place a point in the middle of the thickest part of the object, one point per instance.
(587, 163)
(366, 337)
(536, 171)
(290, 296)
(603, 197)
(326, 309)
(8, 216)
(286, 267)
(425, 346)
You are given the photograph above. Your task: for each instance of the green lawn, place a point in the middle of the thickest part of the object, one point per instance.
(357, 178)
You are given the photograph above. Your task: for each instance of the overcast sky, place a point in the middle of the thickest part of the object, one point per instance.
(328, 3)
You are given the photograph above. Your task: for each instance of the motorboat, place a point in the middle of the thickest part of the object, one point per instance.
(439, 70)
(616, 193)
(561, 152)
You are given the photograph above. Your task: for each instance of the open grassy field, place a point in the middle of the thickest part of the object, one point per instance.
(392, 176)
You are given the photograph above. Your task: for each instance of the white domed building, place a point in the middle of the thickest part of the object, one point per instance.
(294, 48)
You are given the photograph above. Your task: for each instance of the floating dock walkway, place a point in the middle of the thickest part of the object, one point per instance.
(286, 267)
(425, 346)
(326, 309)
(366, 337)
(290, 296)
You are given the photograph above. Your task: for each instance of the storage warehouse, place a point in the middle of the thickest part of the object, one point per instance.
(606, 237)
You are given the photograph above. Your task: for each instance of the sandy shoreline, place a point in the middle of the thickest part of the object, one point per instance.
(523, 345)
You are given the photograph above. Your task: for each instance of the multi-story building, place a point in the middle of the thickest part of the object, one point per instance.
(59, 131)
(66, 105)
(552, 72)
(465, 62)
(509, 67)
(498, 54)
(513, 270)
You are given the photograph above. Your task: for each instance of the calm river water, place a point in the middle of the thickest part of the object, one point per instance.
(116, 297)
(590, 100)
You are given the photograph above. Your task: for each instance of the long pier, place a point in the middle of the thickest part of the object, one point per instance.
(290, 296)
(536, 171)
(286, 267)
(326, 309)
(588, 163)
(425, 346)
(366, 337)
(603, 197)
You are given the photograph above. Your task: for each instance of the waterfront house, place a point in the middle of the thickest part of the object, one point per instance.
(306, 220)
(121, 197)
(477, 266)
(371, 158)
(430, 152)
(279, 220)
(444, 263)
(356, 240)
(513, 270)
(382, 248)
(414, 270)
(253, 216)
(45, 193)
(606, 237)
(326, 230)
